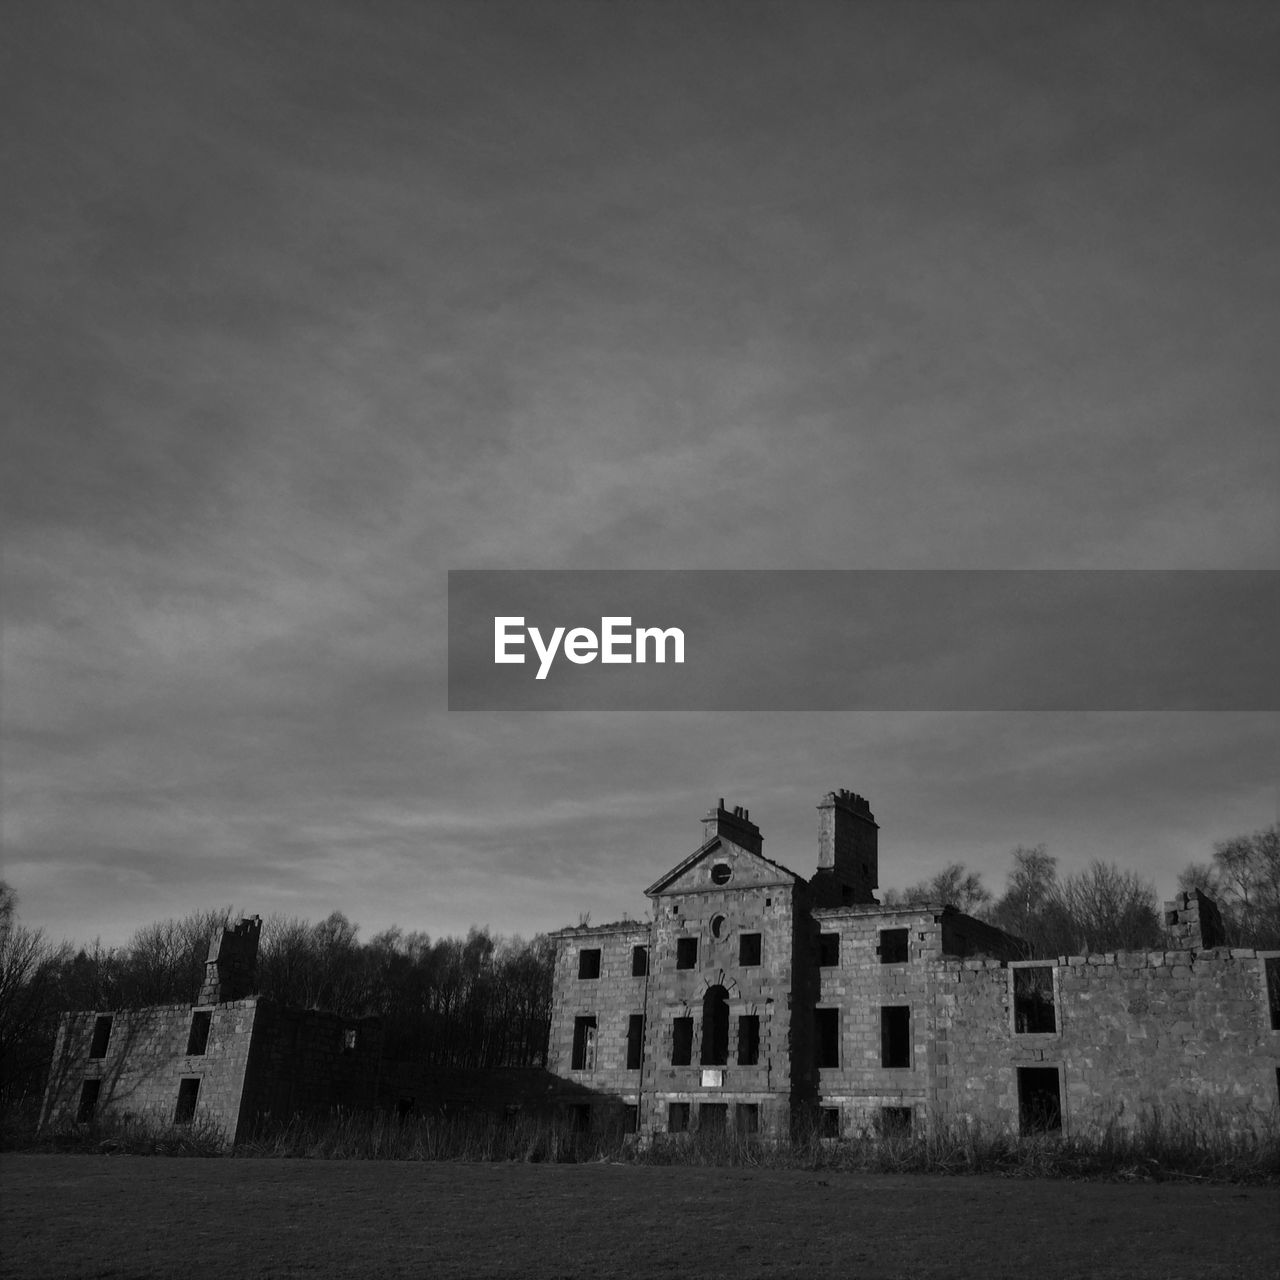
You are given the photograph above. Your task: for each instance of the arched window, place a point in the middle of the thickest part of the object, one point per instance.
(715, 1027)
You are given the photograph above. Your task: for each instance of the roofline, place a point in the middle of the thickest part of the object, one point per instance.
(700, 852)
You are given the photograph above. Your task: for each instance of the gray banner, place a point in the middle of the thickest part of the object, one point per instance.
(874, 640)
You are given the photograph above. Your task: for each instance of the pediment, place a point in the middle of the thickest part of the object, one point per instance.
(699, 872)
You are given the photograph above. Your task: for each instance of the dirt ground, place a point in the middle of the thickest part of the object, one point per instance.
(123, 1216)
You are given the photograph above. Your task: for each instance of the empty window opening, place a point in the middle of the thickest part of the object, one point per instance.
(895, 1035)
(1272, 967)
(101, 1036)
(406, 1107)
(639, 961)
(198, 1037)
(188, 1093)
(828, 950)
(746, 1119)
(635, 1041)
(829, 1122)
(1039, 1100)
(827, 1036)
(681, 1042)
(580, 1117)
(721, 873)
(584, 1044)
(719, 926)
(88, 1100)
(748, 1040)
(677, 1117)
(713, 1117)
(893, 946)
(589, 962)
(748, 948)
(686, 953)
(350, 1039)
(715, 1027)
(1033, 1000)
(894, 1122)
(630, 1118)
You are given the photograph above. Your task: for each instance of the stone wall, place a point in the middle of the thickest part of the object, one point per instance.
(145, 1061)
(1180, 1034)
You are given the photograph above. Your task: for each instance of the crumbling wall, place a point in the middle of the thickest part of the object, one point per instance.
(1176, 1033)
(307, 1061)
(139, 1074)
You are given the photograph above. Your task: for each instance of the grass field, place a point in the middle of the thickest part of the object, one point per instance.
(128, 1216)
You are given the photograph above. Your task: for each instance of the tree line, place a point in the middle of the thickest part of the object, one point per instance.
(485, 1001)
(478, 1001)
(1105, 908)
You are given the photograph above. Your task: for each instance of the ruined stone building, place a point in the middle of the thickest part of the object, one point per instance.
(755, 996)
(225, 1062)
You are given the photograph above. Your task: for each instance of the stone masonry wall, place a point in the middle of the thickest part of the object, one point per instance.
(764, 991)
(308, 1061)
(1137, 1033)
(146, 1060)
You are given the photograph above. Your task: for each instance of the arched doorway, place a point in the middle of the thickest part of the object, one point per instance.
(715, 1027)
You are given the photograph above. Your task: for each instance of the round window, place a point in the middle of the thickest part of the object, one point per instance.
(719, 926)
(721, 872)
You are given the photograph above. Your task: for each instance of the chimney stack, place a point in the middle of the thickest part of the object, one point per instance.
(733, 825)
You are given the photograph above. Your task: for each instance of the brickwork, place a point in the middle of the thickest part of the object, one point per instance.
(911, 1016)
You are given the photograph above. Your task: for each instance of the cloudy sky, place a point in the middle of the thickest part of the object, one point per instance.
(310, 303)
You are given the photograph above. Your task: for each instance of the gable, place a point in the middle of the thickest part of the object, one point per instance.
(705, 870)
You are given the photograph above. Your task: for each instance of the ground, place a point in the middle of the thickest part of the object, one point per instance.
(129, 1216)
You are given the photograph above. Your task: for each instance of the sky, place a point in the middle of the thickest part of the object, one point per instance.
(310, 303)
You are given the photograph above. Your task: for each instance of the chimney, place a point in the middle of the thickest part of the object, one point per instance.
(1192, 921)
(733, 825)
(848, 855)
(231, 968)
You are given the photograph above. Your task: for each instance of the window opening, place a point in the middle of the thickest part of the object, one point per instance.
(1033, 1010)
(895, 1035)
(746, 1119)
(686, 953)
(678, 1117)
(1272, 967)
(721, 873)
(630, 1117)
(719, 926)
(350, 1039)
(713, 1117)
(894, 1122)
(188, 1093)
(827, 1036)
(639, 961)
(198, 1037)
(1039, 1100)
(584, 1044)
(580, 1117)
(101, 1036)
(893, 946)
(589, 962)
(748, 948)
(715, 1027)
(828, 950)
(88, 1100)
(829, 1122)
(748, 1040)
(635, 1040)
(681, 1042)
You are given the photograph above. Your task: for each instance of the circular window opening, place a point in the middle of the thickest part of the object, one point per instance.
(721, 872)
(719, 926)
